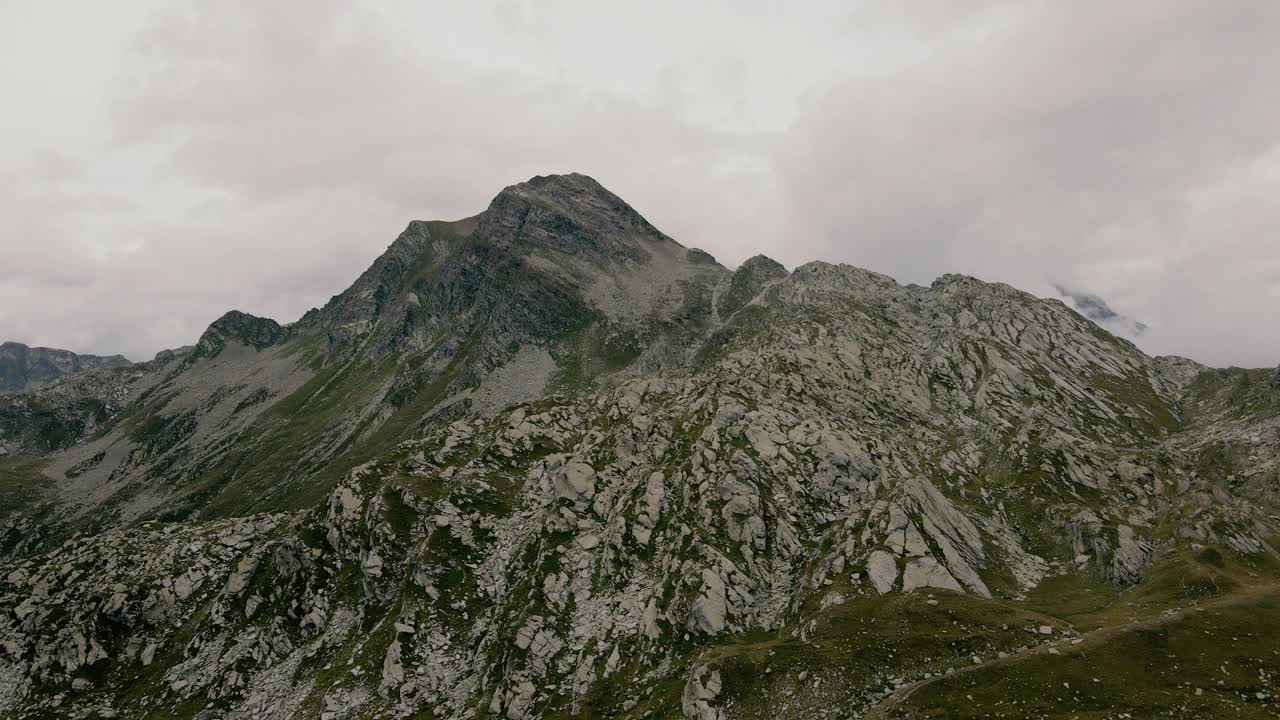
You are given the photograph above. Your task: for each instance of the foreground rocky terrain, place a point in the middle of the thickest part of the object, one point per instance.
(546, 462)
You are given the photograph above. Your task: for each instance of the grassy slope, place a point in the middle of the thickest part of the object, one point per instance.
(21, 484)
(1199, 638)
(1215, 660)
(1198, 619)
(300, 447)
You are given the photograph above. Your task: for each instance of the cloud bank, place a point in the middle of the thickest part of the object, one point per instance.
(169, 163)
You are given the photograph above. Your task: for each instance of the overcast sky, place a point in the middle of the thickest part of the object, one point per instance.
(161, 163)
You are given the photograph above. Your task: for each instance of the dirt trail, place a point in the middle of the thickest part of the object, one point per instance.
(884, 709)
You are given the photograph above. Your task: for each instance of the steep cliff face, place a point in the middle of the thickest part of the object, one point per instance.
(547, 462)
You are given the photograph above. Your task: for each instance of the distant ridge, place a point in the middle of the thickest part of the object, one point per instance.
(24, 368)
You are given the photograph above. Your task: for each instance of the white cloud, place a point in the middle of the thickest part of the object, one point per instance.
(168, 163)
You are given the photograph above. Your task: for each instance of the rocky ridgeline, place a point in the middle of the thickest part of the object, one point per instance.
(25, 368)
(691, 464)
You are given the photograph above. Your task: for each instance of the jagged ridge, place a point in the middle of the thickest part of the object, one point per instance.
(547, 462)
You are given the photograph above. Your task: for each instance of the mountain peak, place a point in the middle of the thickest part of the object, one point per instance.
(1099, 311)
(551, 463)
(750, 279)
(763, 264)
(568, 185)
(571, 193)
(572, 214)
(247, 329)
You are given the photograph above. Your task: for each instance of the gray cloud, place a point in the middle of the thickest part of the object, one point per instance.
(259, 155)
(1122, 148)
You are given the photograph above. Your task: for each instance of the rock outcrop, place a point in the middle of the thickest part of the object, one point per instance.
(235, 326)
(547, 462)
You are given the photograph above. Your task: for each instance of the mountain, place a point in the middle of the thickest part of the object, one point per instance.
(546, 462)
(24, 368)
(1097, 310)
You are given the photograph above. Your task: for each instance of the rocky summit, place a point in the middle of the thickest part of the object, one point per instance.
(546, 462)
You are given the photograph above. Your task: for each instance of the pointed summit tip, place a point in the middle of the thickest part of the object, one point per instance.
(764, 265)
(571, 211)
(749, 280)
(251, 330)
(573, 179)
(561, 187)
(570, 194)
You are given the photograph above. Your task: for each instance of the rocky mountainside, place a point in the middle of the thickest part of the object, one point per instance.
(24, 368)
(546, 462)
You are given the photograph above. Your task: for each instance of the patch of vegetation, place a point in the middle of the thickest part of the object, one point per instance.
(44, 427)
(1218, 660)
(22, 485)
(1236, 392)
(850, 652)
(1138, 393)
